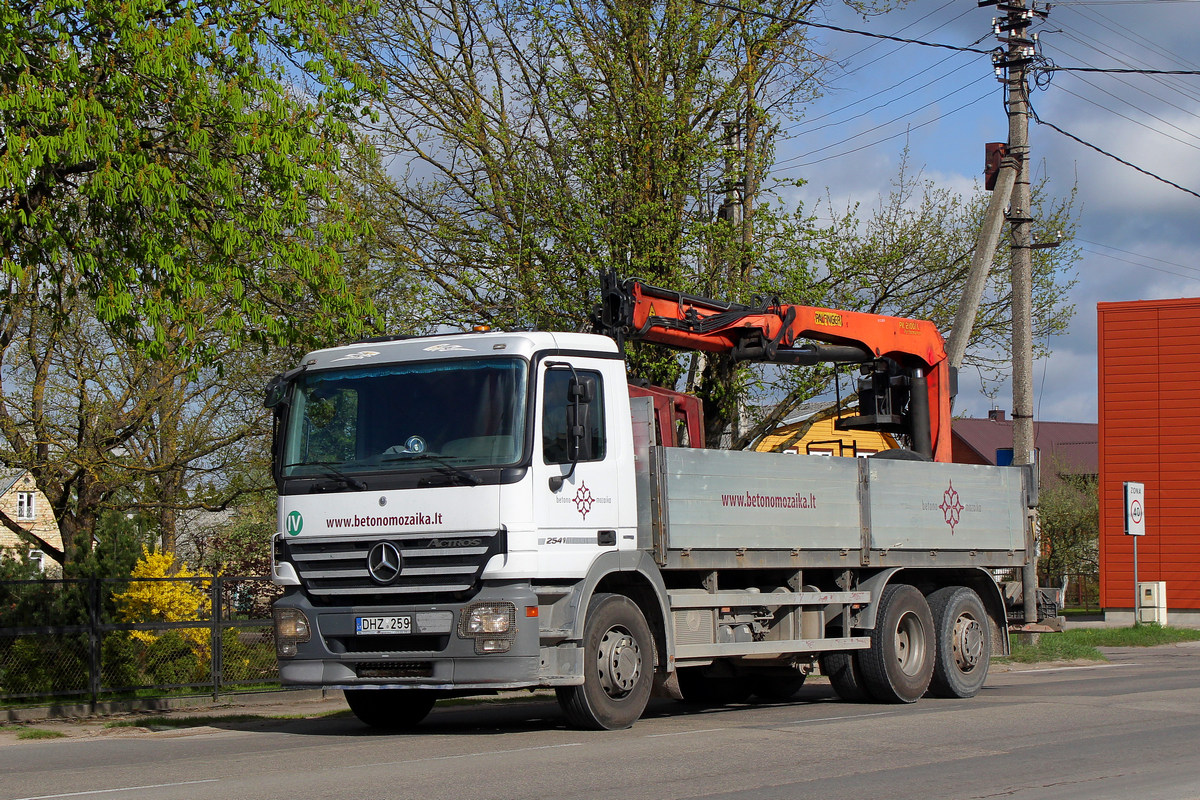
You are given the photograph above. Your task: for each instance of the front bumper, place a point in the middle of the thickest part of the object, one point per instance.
(435, 655)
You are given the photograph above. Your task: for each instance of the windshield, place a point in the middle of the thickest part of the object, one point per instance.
(415, 416)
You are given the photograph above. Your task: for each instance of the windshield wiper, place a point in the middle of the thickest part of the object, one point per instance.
(331, 472)
(440, 464)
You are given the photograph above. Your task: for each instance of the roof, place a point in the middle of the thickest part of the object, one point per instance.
(8, 478)
(1070, 448)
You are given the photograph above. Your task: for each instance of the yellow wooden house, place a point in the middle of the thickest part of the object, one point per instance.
(812, 432)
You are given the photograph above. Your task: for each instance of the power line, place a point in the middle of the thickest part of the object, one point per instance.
(886, 138)
(1129, 164)
(1137, 255)
(802, 130)
(1057, 68)
(839, 29)
(1137, 122)
(1138, 263)
(889, 122)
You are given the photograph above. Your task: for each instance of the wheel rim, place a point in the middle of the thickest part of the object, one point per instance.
(910, 644)
(619, 662)
(967, 644)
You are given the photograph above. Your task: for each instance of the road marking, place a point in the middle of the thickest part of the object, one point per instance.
(838, 719)
(682, 733)
(469, 755)
(1068, 669)
(122, 789)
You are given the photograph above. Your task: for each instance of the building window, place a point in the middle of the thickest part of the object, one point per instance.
(39, 558)
(25, 509)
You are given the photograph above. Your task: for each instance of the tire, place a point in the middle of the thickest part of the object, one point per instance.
(964, 642)
(898, 666)
(390, 709)
(778, 688)
(845, 676)
(618, 660)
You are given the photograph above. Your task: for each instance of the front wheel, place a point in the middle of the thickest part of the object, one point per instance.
(618, 660)
(964, 642)
(898, 665)
(390, 709)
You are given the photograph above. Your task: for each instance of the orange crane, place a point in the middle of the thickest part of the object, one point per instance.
(905, 385)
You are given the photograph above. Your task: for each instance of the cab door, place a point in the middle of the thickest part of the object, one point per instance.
(576, 483)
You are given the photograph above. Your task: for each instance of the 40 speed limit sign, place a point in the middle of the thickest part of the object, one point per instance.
(1135, 509)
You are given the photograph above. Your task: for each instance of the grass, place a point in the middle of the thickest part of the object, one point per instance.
(1079, 644)
(39, 733)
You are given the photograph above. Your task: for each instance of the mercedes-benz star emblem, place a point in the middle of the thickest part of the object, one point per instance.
(384, 562)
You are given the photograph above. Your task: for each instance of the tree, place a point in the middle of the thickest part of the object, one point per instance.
(537, 145)
(1069, 512)
(911, 255)
(908, 256)
(104, 426)
(154, 156)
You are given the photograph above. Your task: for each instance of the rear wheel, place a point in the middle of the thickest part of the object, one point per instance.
(390, 709)
(898, 666)
(845, 676)
(964, 642)
(618, 659)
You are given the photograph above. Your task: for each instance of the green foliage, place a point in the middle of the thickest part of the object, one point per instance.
(42, 665)
(243, 546)
(39, 733)
(247, 655)
(1079, 644)
(910, 254)
(1069, 514)
(159, 155)
(1146, 635)
(15, 564)
(171, 658)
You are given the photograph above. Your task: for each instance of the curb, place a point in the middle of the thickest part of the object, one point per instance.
(111, 707)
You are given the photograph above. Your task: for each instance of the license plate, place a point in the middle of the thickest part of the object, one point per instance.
(373, 625)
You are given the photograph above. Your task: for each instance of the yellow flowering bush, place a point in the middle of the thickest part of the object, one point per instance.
(148, 600)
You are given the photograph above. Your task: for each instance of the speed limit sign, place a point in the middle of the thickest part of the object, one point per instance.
(1135, 509)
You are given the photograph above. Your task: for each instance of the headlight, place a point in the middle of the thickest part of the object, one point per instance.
(291, 628)
(488, 619)
(491, 625)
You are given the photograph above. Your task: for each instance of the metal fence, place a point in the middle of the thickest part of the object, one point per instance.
(95, 639)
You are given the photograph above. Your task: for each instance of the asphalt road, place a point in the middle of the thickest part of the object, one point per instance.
(1129, 729)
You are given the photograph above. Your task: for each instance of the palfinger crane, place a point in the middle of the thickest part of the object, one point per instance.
(905, 385)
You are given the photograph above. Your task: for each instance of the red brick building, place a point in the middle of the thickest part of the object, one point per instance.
(1148, 391)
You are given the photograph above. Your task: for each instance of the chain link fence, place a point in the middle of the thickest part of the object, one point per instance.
(94, 639)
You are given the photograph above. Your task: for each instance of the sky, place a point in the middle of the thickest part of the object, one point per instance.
(1138, 236)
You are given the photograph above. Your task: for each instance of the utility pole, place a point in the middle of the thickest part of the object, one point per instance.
(1013, 31)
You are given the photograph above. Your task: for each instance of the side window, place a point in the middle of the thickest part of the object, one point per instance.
(556, 410)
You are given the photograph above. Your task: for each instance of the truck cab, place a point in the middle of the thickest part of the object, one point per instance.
(429, 489)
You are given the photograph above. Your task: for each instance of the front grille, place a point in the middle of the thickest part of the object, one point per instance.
(394, 669)
(436, 567)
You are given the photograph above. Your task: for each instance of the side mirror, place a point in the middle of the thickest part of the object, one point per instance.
(580, 394)
(277, 388)
(579, 443)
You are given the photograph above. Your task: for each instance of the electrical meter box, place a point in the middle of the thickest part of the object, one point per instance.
(1152, 602)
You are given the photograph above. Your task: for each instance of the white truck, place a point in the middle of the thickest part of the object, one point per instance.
(476, 512)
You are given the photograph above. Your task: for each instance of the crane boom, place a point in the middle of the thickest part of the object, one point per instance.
(907, 381)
